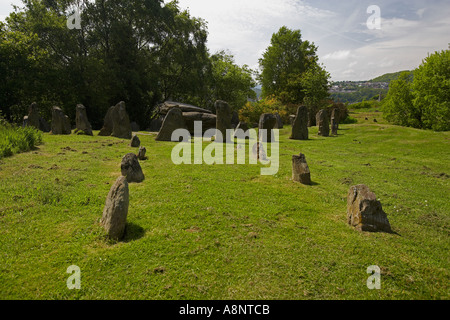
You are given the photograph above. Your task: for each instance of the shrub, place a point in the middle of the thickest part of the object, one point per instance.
(252, 111)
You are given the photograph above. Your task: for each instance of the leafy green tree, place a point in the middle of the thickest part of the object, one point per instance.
(398, 106)
(230, 82)
(284, 63)
(431, 87)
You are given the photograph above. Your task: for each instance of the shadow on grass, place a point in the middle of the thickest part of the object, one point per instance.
(133, 232)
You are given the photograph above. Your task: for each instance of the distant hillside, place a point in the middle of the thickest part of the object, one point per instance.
(388, 77)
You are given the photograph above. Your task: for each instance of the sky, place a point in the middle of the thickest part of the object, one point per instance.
(348, 47)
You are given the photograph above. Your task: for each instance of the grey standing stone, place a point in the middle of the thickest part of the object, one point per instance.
(115, 213)
(174, 120)
(258, 151)
(135, 141)
(322, 121)
(337, 117)
(35, 120)
(300, 126)
(279, 124)
(141, 154)
(292, 119)
(244, 127)
(300, 169)
(364, 211)
(81, 120)
(60, 122)
(117, 122)
(267, 122)
(131, 169)
(223, 121)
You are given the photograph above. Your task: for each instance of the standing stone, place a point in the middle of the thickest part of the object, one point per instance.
(292, 119)
(279, 124)
(300, 126)
(244, 127)
(334, 127)
(135, 141)
(267, 122)
(115, 213)
(337, 117)
(258, 152)
(25, 121)
(117, 122)
(141, 154)
(234, 119)
(322, 121)
(173, 121)
(223, 121)
(33, 119)
(60, 122)
(364, 211)
(82, 124)
(131, 169)
(300, 169)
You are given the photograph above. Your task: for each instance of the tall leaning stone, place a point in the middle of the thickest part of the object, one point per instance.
(300, 169)
(115, 213)
(174, 120)
(60, 122)
(223, 121)
(267, 122)
(33, 119)
(81, 121)
(324, 125)
(131, 169)
(300, 125)
(364, 211)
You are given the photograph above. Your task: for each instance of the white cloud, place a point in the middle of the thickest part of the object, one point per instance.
(338, 55)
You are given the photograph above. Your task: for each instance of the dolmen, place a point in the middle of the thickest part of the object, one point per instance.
(117, 122)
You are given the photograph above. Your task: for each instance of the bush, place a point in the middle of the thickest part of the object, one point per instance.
(15, 139)
(252, 111)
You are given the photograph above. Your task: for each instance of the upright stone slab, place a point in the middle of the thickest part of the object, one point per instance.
(131, 169)
(33, 119)
(279, 124)
(81, 121)
(267, 122)
(115, 213)
(324, 126)
(223, 121)
(364, 211)
(292, 119)
(135, 141)
(117, 122)
(300, 170)
(60, 122)
(337, 117)
(141, 154)
(173, 121)
(244, 127)
(300, 126)
(334, 127)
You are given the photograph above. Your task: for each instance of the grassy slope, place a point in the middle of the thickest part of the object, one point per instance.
(224, 231)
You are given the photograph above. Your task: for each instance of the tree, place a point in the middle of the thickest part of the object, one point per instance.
(284, 64)
(231, 82)
(431, 87)
(398, 106)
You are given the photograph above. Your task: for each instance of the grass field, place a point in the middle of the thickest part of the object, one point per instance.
(225, 231)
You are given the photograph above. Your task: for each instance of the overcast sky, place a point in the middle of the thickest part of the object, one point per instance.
(348, 49)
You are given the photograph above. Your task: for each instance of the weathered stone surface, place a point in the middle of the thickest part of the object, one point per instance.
(223, 121)
(173, 121)
(322, 121)
(208, 121)
(33, 119)
(268, 122)
(300, 169)
(165, 107)
(81, 121)
(135, 127)
(300, 126)
(258, 151)
(156, 124)
(244, 127)
(234, 119)
(135, 141)
(292, 119)
(115, 213)
(60, 122)
(131, 169)
(364, 211)
(279, 124)
(141, 154)
(334, 127)
(117, 122)
(337, 117)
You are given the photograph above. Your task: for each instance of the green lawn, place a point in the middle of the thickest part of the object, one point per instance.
(225, 231)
